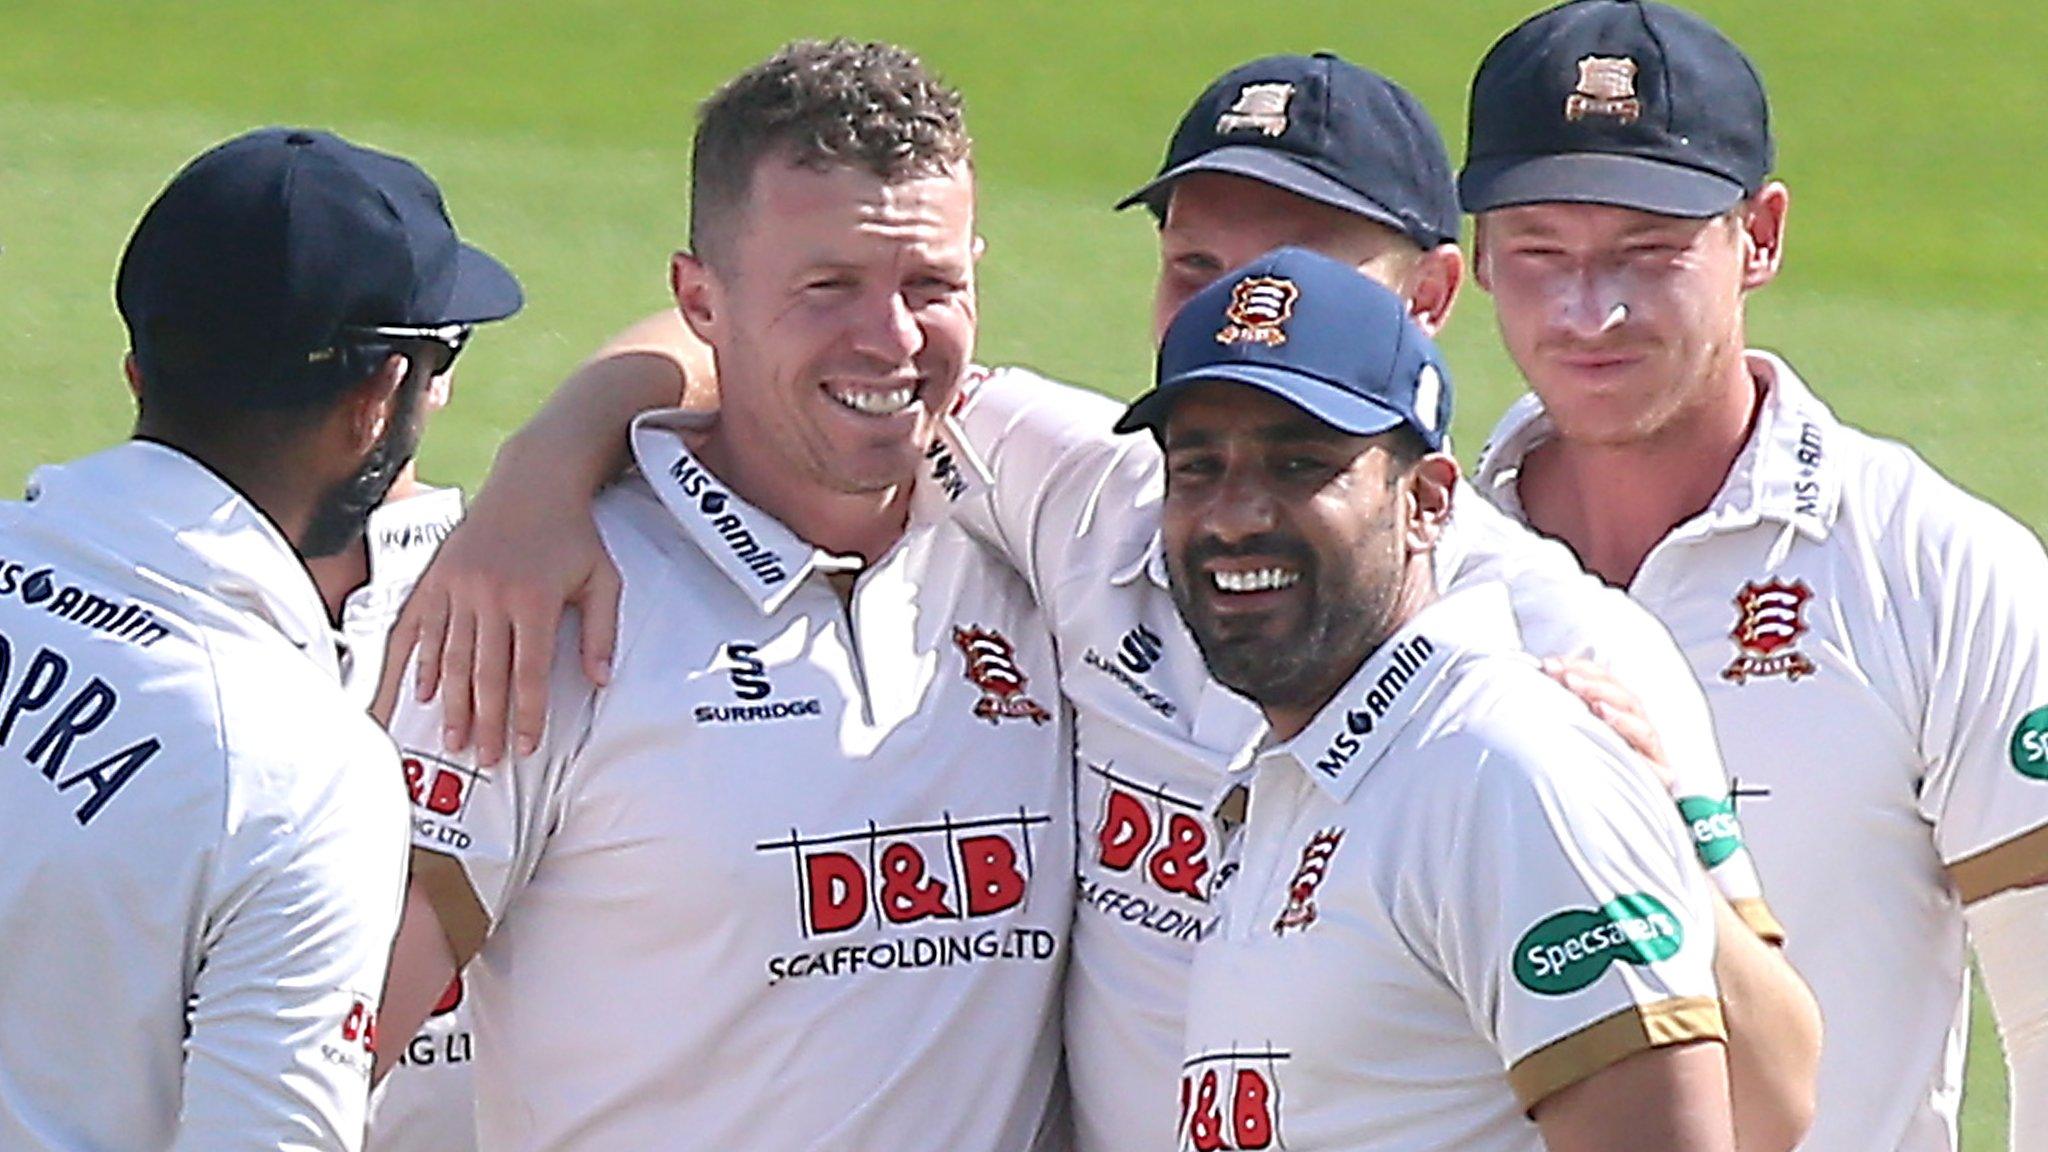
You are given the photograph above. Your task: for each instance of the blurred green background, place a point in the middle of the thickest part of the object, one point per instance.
(1910, 133)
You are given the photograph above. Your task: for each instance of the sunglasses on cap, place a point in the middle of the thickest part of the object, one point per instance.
(449, 338)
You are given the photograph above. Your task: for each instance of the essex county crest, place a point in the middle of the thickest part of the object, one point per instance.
(992, 667)
(1300, 911)
(1259, 108)
(1769, 620)
(1258, 312)
(1606, 87)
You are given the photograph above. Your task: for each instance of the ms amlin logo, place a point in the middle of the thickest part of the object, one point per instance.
(1568, 950)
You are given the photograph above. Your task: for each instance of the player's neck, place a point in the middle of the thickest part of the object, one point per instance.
(864, 524)
(1613, 503)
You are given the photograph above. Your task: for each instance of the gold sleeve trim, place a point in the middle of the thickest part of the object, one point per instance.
(461, 911)
(2013, 864)
(1754, 912)
(1566, 1061)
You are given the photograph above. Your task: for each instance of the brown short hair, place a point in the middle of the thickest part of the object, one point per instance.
(820, 105)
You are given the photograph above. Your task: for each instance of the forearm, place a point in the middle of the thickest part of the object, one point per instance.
(577, 441)
(422, 964)
(2010, 935)
(1774, 1036)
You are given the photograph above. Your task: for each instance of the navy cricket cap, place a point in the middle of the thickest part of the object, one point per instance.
(1314, 332)
(1632, 104)
(1320, 127)
(252, 261)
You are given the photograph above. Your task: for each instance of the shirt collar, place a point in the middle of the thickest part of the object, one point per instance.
(760, 555)
(1344, 740)
(403, 534)
(1785, 471)
(175, 517)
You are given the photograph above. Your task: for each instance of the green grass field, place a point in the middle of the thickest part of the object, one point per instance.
(1907, 130)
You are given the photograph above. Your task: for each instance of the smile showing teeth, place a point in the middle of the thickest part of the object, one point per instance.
(877, 401)
(1256, 580)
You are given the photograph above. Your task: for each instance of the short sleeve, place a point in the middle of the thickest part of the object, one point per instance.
(492, 822)
(283, 1010)
(1577, 929)
(1983, 632)
(1063, 487)
(1637, 650)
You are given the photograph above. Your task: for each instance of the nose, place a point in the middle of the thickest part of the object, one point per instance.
(1240, 508)
(1587, 304)
(888, 329)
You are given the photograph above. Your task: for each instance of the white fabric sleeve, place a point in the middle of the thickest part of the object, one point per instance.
(1576, 927)
(494, 821)
(283, 1011)
(1065, 492)
(2010, 935)
(1979, 628)
(1639, 653)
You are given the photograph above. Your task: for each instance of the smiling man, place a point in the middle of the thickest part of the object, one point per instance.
(1478, 904)
(806, 855)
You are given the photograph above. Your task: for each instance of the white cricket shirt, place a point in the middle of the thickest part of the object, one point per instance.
(427, 1103)
(800, 876)
(204, 838)
(1076, 507)
(1870, 640)
(1455, 893)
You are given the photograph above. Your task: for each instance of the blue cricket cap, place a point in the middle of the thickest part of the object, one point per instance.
(1313, 331)
(254, 259)
(1323, 128)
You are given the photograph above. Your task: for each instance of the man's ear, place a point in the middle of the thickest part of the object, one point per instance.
(133, 371)
(1431, 485)
(699, 295)
(1433, 286)
(371, 406)
(1763, 234)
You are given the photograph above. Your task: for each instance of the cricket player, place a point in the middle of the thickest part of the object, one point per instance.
(1867, 633)
(1075, 507)
(428, 1102)
(807, 857)
(205, 836)
(1459, 914)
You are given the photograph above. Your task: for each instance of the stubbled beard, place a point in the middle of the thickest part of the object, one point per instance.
(343, 510)
(1347, 615)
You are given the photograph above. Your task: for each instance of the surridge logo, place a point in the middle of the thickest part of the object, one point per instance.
(1607, 87)
(1140, 650)
(1404, 662)
(749, 676)
(1260, 307)
(1770, 618)
(712, 502)
(992, 667)
(40, 588)
(1568, 950)
(1300, 911)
